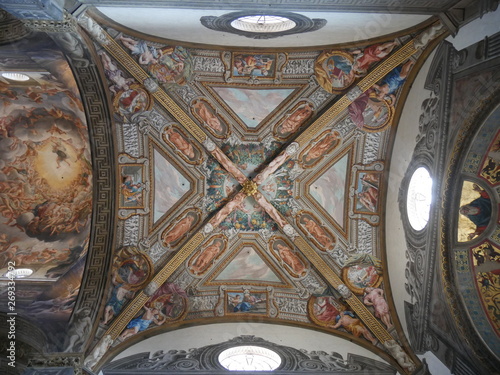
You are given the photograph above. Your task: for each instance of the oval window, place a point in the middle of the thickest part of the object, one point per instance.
(419, 198)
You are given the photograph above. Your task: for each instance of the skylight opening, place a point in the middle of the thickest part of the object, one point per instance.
(249, 358)
(19, 273)
(419, 198)
(263, 23)
(16, 76)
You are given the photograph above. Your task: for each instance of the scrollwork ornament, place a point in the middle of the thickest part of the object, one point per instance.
(425, 37)
(290, 231)
(354, 93)
(98, 352)
(151, 85)
(459, 58)
(208, 228)
(151, 288)
(94, 29)
(209, 145)
(399, 355)
(292, 149)
(344, 291)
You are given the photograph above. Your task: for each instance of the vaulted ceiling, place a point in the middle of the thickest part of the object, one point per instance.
(173, 176)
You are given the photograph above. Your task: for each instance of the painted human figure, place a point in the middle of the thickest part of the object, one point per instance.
(245, 304)
(318, 233)
(322, 146)
(208, 117)
(369, 198)
(131, 191)
(291, 259)
(392, 81)
(271, 168)
(375, 297)
(119, 297)
(61, 152)
(296, 119)
(252, 65)
(228, 165)
(115, 75)
(270, 209)
(227, 209)
(340, 71)
(478, 211)
(350, 323)
(324, 310)
(207, 256)
(178, 230)
(147, 54)
(182, 145)
(370, 55)
(152, 315)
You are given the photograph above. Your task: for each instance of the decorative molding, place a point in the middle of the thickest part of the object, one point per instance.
(429, 153)
(204, 360)
(55, 364)
(224, 23)
(11, 29)
(37, 10)
(430, 7)
(101, 238)
(440, 148)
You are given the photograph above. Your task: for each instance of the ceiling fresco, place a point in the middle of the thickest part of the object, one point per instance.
(211, 190)
(46, 183)
(244, 192)
(251, 186)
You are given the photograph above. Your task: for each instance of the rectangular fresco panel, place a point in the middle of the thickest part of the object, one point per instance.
(246, 302)
(367, 192)
(256, 65)
(131, 193)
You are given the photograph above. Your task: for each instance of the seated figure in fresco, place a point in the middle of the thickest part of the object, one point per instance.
(318, 233)
(350, 323)
(178, 230)
(291, 259)
(370, 55)
(324, 310)
(119, 296)
(152, 315)
(393, 81)
(478, 211)
(208, 117)
(245, 304)
(375, 297)
(207, 256)
(132, 192)
(296, 119)
(322, 146)
(182, 145)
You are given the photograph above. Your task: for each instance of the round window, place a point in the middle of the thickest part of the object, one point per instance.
(419, 198)
(249, 358)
